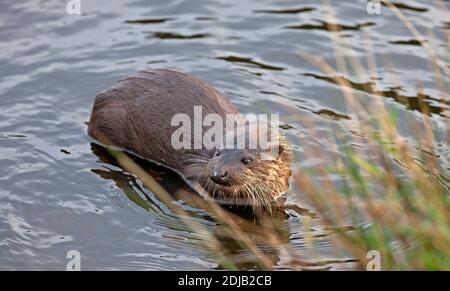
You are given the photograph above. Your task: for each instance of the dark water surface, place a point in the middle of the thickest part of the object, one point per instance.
(59, 193)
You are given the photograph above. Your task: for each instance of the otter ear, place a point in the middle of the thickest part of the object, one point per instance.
(281, 149)
(284, 151)
(276, 155)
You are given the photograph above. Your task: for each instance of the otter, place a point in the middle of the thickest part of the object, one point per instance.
(136, 113)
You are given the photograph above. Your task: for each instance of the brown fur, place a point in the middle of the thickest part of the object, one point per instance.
(135, 114)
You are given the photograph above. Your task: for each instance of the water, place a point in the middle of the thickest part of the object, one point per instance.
(58, 192)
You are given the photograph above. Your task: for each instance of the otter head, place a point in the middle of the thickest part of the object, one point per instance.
(248, 176)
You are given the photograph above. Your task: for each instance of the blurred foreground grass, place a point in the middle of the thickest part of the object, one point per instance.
(404, 192)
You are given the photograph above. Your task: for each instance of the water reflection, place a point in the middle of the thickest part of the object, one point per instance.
(286, 10)
(172, 35)
(250, 62)
(405, 6)
(421, 102)
(328, 26)
(244, 217)
(149, 20)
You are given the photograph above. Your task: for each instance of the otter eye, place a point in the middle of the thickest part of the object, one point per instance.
(246, 161)
(217, 153)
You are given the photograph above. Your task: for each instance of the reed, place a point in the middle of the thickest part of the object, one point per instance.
(399, 201)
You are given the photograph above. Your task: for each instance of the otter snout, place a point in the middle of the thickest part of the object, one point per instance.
(221, 176)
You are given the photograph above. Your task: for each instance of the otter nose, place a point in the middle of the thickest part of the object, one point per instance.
(220, 176)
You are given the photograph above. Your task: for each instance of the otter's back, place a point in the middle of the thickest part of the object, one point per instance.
(136, 112)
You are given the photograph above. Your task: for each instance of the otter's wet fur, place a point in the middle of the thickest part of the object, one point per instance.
(135, 114)
(257, 184)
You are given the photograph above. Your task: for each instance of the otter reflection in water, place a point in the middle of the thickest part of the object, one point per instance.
(267, 232)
